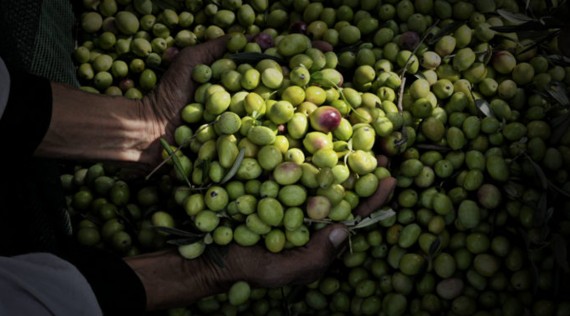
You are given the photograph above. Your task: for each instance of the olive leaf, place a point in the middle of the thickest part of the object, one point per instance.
(169, 4)
(513, 17)
(348, 48)
(371, 219)
(435, 147)
(233, 170)
(560, 60)
(512, 191)
(482, 105)
(415, 50)
(401, 95)
(404, 138)
(205, 166)
(559, 125)
(434, 247)
(558, 92)
(171, 231)
(183, 241)
(557, 189)
(174, 157)
(420, 75)
(485, 56)
(539, 172)
(343, 97)
(252, 58)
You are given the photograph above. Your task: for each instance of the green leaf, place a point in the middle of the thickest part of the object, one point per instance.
(560, 60)
(483, 105)
(177, 164)
(233, 170)
(539, 172)
(485, 56)
(559, 126)
(420, 75)
(435, 147)
(558, 92)
(177, 232)
(513, 17)
(183, 241)
(371, 219)
(434, 247)
(169, 4)
(558, 189)
(253, 58)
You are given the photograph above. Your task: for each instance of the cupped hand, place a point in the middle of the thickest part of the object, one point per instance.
(161, 108)
(300, 265)
(172, 281)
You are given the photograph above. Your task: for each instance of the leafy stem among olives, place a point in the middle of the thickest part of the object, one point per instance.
(360, 222)
(180, 169)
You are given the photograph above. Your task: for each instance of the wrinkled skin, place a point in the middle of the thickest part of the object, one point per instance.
(161, 108)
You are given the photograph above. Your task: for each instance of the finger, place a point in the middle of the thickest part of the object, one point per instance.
(383, 160)
(310, 262)
(208, 52)
(299, 265)
(331, 237)
(383, 192)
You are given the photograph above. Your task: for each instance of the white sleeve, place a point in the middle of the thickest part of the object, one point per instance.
(44, 284)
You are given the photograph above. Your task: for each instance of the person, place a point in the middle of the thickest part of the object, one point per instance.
(44, 120)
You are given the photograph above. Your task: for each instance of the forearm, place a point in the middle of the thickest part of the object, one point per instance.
(171, 280)
(87, 126)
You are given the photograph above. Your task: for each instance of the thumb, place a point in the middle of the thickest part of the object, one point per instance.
(378, 199)
(307, 264)
(330, 239)
(338, 236)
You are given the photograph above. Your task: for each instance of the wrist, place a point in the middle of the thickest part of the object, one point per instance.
(87, 126)
(173, 281)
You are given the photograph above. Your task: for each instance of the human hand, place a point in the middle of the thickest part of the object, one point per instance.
(305, 264)
(173, 281)
(170, 280)
(383, 193)
(161, 108)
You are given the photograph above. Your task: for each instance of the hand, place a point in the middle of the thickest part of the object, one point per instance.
(383, 192)
(172, 281)
(301, 265)
(161, 108)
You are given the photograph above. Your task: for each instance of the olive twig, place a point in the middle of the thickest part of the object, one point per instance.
(175, 159)
(174, 151)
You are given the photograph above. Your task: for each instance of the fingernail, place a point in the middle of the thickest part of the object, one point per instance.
(337, 236)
